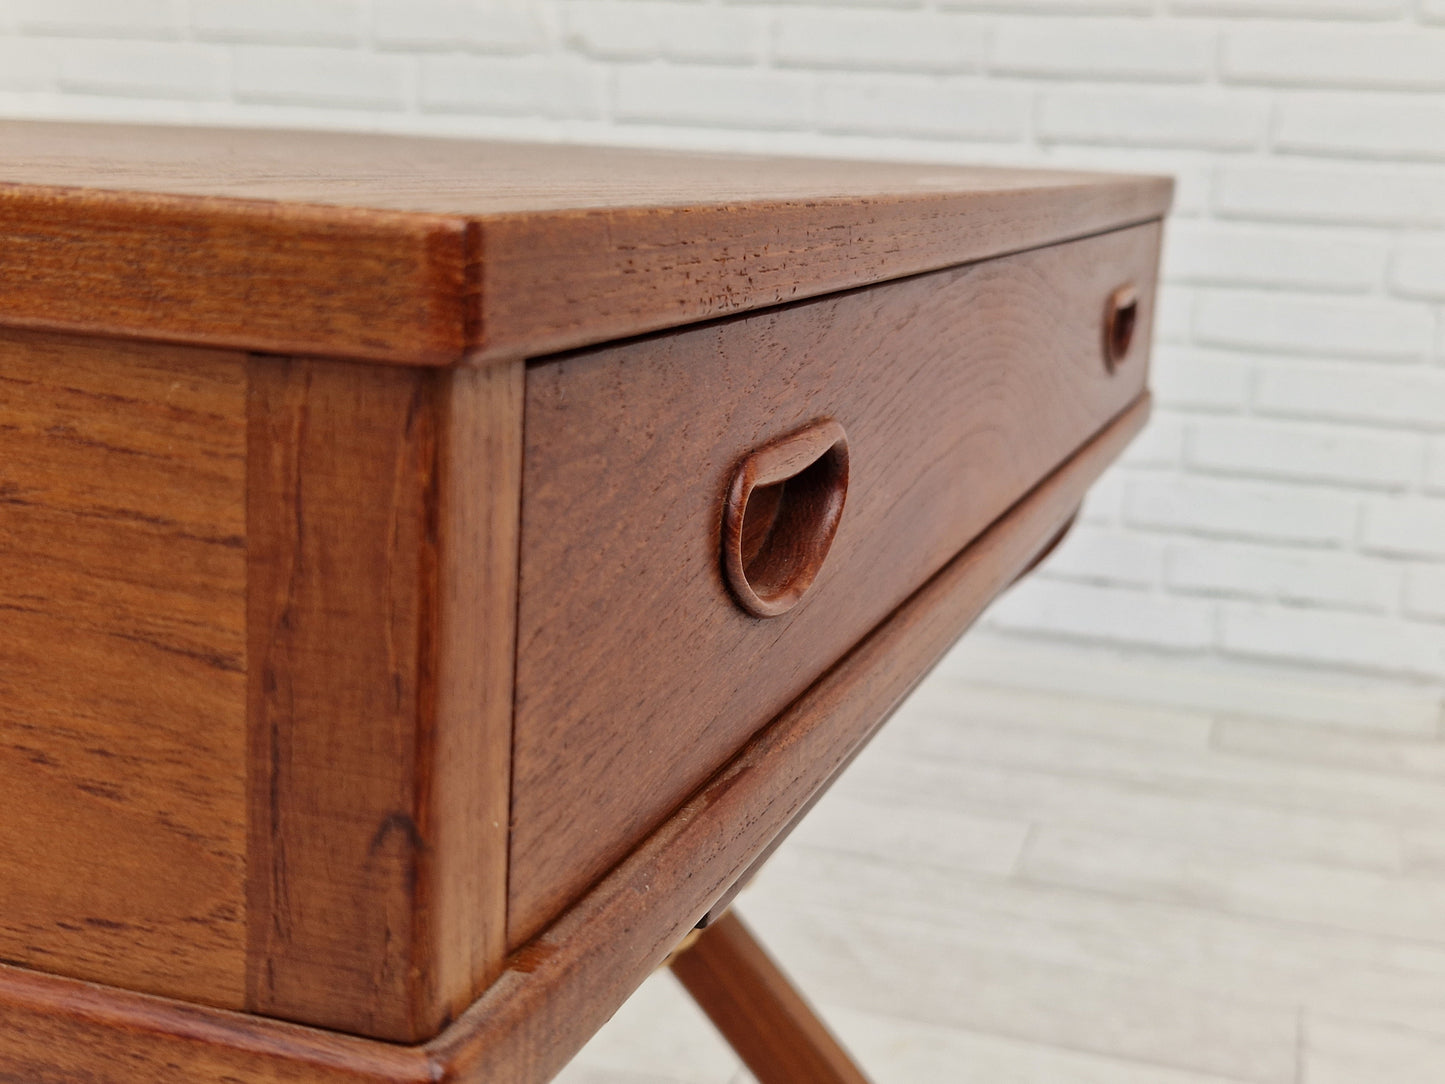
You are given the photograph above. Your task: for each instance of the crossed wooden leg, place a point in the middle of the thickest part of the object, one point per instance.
(759, 1012)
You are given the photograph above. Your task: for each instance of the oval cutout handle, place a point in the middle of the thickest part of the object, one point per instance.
(1121, 316)
(782, 511)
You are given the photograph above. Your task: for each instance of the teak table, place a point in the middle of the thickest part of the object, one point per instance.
(434, 573)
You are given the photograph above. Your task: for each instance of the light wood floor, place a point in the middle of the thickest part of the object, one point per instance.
(1019, 886)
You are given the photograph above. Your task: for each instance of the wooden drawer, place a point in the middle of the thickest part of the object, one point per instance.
(638, 673)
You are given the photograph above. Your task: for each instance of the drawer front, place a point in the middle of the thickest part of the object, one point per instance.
(639, 670)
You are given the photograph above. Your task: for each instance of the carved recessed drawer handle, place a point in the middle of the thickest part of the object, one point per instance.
(1120, 317)
(782, 512)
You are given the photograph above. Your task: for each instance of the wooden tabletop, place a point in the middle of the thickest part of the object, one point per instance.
(435, 251)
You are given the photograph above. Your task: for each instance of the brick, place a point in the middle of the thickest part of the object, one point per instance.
(1352, 393)
(1377, 126)
(1104, 503)
(1335, 57)
(304, 75)
(892, 4)
(1435, 468)
(284, 22)
(1106, 613)
(1163, 117)
(1305, 9)
(932, 108)
(1055, 7)
(1230, 508)
(101, 18)
(139, 69)
(1127, 49)
(549, 86)
(1425, 592)
(714, 97)
(1407, 526)
(1308, 453)
(1300, 323)
(28, 64)
(869, 40)
(1347, 194)
(1161, 444)
(1174, 315)
(453, 25)
(1091, 555)
(1199, 380)
(1418, 269)
(1279, 574)
(1333, 639)
(1217, 254)
(642, 31)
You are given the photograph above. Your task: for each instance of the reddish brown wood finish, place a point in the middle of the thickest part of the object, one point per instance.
(759, 1012)
(258, 707)
(262, 276)
(637, 676)
(466, 793)
(60, 1031)
(382, 540)
(557, 991)
(122, 663)
(780, 515)
(431, 251)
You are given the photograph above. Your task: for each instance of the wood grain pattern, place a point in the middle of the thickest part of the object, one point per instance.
(557, 991)
(553, 282)
(780, 515)
(381, 519)
(467, 793)
(957, 390)
(433, 251)
(60, 1031)
(563, 985)
(758, 1010)
(277, 277)
(122, 688)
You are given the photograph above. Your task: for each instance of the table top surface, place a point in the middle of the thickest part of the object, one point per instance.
(428, 251)
(480, 179)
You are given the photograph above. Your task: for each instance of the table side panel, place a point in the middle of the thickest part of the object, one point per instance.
(382, 509)
(637, 675)
(122, 663)
(469, 796)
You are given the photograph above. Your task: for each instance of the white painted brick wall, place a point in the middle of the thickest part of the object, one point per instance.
(1281, 574)
(1288, 503)
(1376, 126)
(1406, 526)
(1330, 454)
(280, 22)
(1174, 502)
(1337, 56)
(1435, 468)
(1425, 592)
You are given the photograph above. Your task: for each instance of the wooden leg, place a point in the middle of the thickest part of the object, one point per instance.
(758, 1011)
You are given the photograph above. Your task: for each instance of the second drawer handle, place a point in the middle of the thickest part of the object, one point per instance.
(1121, 316)
(782, 511)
